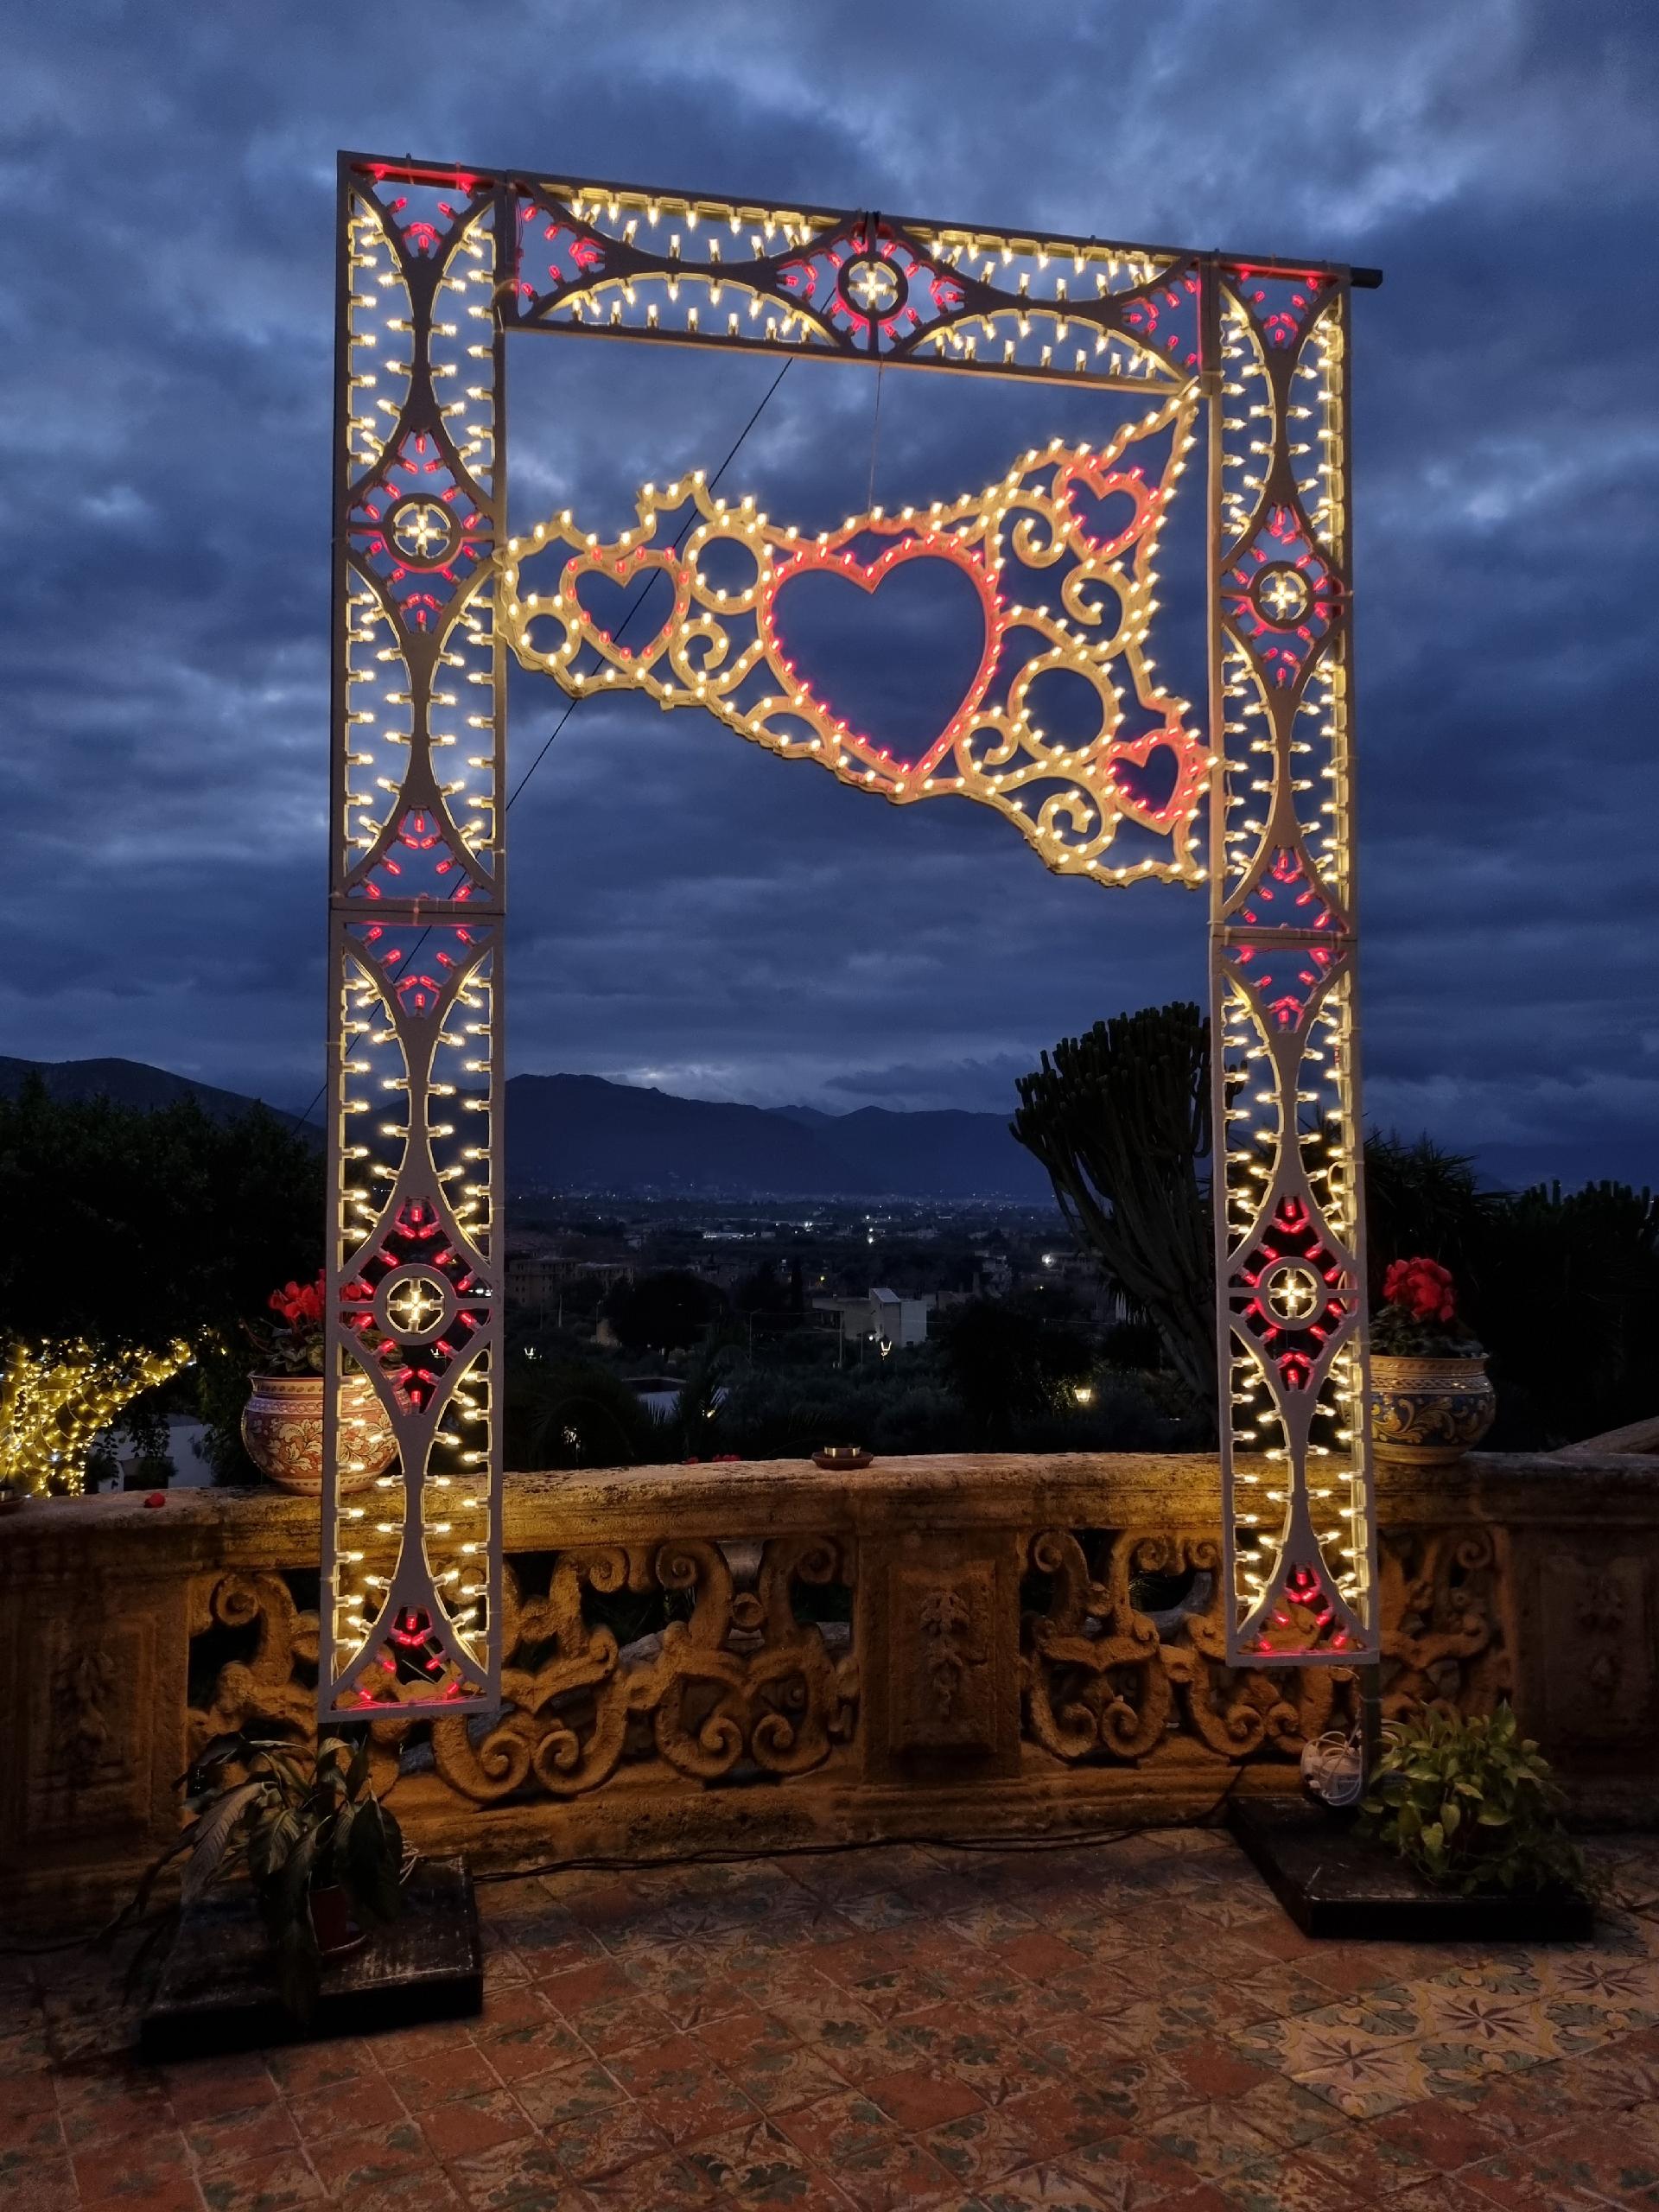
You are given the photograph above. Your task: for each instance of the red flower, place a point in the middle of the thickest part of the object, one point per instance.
(299, 1304)
(1423, 1287)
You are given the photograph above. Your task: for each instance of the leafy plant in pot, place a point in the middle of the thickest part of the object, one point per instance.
(1432, 1400)
(1471, 1806)
(318, 1846)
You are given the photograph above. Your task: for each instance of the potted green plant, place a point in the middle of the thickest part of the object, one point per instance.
(1471, 1805)
(323, 1855)
(1432, 1399)
(282, 1422)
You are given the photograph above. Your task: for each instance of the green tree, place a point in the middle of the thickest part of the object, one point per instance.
(126, 1227)
(1121, 1119)
(574, 1412)
(663, 1313)
(1006, 1359)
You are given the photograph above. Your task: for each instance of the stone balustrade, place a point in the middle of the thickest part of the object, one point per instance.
(750, 1656)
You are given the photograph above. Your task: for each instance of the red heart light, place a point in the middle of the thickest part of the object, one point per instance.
(618, 572)
(1134, 795)
(1103, 487)
(832, 558)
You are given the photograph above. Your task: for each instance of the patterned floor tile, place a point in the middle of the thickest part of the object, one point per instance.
(1613, 2075)
(212, 2086)
(299, 2068)
(123, 2119)
(1513, 2027)
(266, 2184)
(262, 2132)
(518, 2049)
(465, 2125)
(969, 1970)
(1287, 2183)
(1067, 2116)
(1124, 2027)
(882, 1909)
(873, 2162)
(982, 2147)
(1361, 2079)
(758, 2166)
(1441, 2193)
(139, 2187)
(31, 2128)
(666, 2184)
(1439, 2136)
(1042, 2188)
(43, 2184)
(757, 2053)
(901, 1993)
(980, 2048)
(525, 2172)
(1288, 2114)
(349, 2165)
(1037, 1955)
(1211, 2139)
(359, 2101)
(605, 2142)
(1369, 2165)
(567, 2092)
(916, 2097)
(1585, 2166)
(678, 2085)
(1517, 2107)
(1211, 2070)
(608, 2010)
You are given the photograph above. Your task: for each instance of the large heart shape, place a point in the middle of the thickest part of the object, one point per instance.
(616, 604)
(906, 673)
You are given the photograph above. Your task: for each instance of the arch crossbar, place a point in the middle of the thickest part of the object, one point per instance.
(437, 266)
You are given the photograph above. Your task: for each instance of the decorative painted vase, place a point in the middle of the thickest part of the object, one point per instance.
(281, 1426)
(1426, 1412)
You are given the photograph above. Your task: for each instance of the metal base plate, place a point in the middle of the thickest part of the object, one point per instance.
(1333, 1882)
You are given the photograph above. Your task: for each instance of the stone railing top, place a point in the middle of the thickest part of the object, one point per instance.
(752, 1497)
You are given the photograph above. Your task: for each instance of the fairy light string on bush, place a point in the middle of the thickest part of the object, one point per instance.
(56, 1400)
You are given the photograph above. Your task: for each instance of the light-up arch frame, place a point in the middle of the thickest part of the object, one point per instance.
(437, 265)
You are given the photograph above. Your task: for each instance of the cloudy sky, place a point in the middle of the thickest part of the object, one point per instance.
(688, 910)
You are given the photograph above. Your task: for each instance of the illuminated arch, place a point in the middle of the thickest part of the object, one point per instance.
(438, 266)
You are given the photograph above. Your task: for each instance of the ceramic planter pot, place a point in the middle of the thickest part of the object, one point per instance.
(1426, 1413)
(281, 1426)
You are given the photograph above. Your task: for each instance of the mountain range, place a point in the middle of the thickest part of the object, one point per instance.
(583, 1133)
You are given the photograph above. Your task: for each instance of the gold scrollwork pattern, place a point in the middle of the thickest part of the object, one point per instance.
(1057, 559)
(736, 1682)
(1104, 1681)
(733, 1683)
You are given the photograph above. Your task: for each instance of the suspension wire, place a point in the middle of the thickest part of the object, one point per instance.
(679, 540)
(875, 433)
(620, 633)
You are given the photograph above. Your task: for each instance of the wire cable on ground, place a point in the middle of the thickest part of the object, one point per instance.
(1004, 1847)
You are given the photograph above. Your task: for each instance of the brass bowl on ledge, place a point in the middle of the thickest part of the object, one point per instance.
(837, 1457)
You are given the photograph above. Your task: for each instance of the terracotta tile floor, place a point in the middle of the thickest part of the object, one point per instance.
(1133, 2025)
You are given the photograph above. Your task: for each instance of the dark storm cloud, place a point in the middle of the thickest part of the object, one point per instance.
(688, 910)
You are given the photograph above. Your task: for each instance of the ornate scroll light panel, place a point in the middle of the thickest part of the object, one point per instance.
(412, 1558)
(723, 644)
(1300, 1522)
(436, 265)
